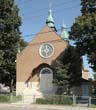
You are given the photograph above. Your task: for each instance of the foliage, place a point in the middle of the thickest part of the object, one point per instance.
(94, 84)
(9, 40)
(58, 100)
(94, 76)
(60, 76)
(93, 101)
(83, 31)
(9, 98)
(68, 69)
(4, 98)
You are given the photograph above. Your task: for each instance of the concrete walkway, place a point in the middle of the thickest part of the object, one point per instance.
(41, 107)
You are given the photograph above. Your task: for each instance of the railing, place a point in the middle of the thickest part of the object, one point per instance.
(49, 99)
(60, 99)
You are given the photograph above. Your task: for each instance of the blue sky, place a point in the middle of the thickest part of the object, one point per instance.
(34, 14)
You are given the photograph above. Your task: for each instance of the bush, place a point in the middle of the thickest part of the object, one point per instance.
(93, 101)
(9, 98)
(4, 98)
(43, 101)
(58, 100)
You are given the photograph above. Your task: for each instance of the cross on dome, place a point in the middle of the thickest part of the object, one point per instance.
(50, 20)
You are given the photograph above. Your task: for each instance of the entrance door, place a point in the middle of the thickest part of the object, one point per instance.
(46, 77)
(85, 90)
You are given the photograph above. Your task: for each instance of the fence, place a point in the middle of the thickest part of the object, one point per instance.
(60, 99)
(49, 99)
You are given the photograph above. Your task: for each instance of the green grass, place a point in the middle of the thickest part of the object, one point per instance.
(4, 98)
(8, 98)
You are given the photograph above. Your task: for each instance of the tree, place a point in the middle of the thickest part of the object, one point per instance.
(68, 69)
(94, 84)
(83, 31)
(60, 70)
(10, 38)
(94, 76)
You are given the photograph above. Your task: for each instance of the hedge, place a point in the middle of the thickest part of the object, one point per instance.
(58, 100)
(4, 98)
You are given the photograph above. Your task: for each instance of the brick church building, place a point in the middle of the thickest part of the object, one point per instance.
(34, 73)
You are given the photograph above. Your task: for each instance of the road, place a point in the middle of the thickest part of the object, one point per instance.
(41, 107)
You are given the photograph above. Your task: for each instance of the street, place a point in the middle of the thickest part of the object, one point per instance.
(41, 107)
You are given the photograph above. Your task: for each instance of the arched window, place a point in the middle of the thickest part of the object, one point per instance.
(46, 71)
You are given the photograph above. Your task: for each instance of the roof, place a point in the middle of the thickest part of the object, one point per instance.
(64, 33)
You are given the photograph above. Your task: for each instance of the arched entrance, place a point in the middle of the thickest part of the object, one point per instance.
(46, 78)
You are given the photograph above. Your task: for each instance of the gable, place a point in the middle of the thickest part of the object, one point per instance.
(30, 57)
(45, 35)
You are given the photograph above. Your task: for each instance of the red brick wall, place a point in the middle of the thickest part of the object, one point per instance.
(30, 58)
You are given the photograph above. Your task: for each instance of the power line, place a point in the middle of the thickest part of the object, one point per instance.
(29, 35)
(42, 32)
(43, 9)
(24, 2)
(56, 11)
(34, 44)
(54, 41)
(60, 10)
(39, 33)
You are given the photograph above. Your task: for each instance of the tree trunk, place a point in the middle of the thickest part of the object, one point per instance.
(11, 86)
(68, 90)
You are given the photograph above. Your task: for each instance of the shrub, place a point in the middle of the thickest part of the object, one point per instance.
(9, 98)
(93, 101)
(4, 98)
(58, 100)
(43, 101)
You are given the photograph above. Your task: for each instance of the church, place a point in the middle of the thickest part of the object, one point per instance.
(34, 74)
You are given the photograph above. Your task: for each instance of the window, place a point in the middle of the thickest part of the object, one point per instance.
(46, 50)
(46, 71)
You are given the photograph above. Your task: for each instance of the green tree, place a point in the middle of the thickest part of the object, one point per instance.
(68, 69)
(94, 84)
(10, 38)
(94, 76)
(83, 31)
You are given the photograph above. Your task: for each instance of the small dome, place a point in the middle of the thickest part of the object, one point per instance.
(64, 33)
(50, 20)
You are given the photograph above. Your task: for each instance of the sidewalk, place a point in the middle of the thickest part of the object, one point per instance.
(44, 107)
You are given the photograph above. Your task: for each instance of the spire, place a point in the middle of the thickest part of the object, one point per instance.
(50, 20)
(64, 33)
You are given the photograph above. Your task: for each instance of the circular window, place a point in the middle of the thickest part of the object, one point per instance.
(46, 50)
(46, 71)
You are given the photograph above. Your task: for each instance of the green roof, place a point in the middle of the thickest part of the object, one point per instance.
(50, 18)
(64, 33)
(50, 21)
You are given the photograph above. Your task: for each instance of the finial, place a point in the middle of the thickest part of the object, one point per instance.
(50, 6)
(50, 20)
(63, 25)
